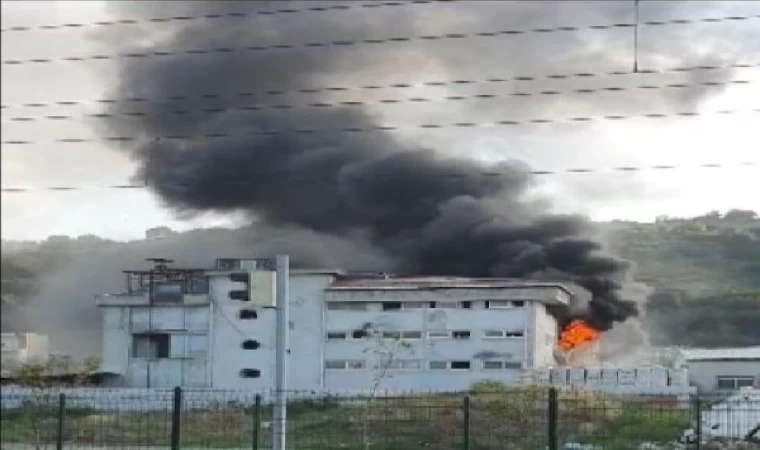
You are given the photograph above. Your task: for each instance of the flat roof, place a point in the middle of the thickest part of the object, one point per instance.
(438, 282)
(722, 354)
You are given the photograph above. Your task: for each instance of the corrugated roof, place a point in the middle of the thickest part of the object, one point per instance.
(433, 282)
(707, 354)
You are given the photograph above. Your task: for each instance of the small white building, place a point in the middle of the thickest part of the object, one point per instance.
(181, 327)
(22, 348)
(722, 369)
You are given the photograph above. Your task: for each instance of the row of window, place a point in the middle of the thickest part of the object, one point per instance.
(438, 334)
(416, 364)
(397, 306)
(735, 382)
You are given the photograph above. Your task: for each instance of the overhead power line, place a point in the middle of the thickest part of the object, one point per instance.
(358, 42)
(222, 15)
(488, 174)
(375, 87)
(370, 129)
(387, 101)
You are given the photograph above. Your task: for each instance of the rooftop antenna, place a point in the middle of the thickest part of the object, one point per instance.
(160, 263)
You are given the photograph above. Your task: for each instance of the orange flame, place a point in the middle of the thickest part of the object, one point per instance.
(575, 334)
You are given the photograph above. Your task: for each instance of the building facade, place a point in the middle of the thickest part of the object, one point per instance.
(22, 348)
(722, 370)
(208, 328)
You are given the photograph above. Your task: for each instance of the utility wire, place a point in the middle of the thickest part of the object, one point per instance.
(374, 87)
(487, 174)
(388, 101)
(223, 15)
(358, 42)
(369, 129)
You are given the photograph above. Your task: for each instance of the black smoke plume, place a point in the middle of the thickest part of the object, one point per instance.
(429, 213)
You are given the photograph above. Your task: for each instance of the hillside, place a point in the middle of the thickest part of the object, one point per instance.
(705, 272)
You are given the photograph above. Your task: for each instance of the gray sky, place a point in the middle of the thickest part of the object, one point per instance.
(687, 141)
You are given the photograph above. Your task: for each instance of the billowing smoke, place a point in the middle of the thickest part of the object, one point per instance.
(426, 212)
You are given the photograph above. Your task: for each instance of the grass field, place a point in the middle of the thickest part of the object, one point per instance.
(499, 418)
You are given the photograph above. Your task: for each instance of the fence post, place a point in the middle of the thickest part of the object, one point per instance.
(176, 412)
(698, 412)
(552, 417)
(466, 441)
(61, 415)
(256, 422)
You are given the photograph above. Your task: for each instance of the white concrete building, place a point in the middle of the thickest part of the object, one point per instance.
(181, 327)
(22, 348)
(721, 369)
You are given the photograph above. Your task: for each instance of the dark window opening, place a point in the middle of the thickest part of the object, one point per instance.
(514, 334)
(250, 344)
(247, 314)
(240, 295)
(460, 365)
(359, 334)
(466, 305)
(240, 277)
(391, 306)
(336, 335)
(150, 346)
(432, 305)
(250, 373)
(167, 292)
(518, 303)
(461, 334)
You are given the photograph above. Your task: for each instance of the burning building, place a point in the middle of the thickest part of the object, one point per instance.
(208, 328)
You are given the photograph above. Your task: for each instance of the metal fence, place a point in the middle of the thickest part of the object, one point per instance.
(508, 418)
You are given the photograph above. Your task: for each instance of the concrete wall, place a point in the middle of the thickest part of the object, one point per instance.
(306, 336)
(476, 349)
(188, 327)
(704, 374)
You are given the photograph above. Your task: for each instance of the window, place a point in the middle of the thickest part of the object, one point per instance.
(335, 364)
(513, 334)
(447, 305)
(411, 335)
(439, 334)
(391, 306)
(341, 364)
(399, 364)
(355, 364)
(460, 365)
(198, 285)
(336, 335)
(500, 365)
(167, 292)
(518, 304)
(438, 365)
(466, 305)
(493, 365)
(346, 306)
(493, 334)
(150, 346)
(496, 304)
(413, 305)
(358, 334)
(735, 382)
(250, 373)
(250, 344)
(247, 314)
(461, 334)
(391, 335)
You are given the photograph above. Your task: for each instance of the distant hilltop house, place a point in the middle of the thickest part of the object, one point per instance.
(722, 369)
(158, 233)
(22, 348)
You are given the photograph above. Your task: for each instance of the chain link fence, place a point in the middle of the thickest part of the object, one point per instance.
(526, 418)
